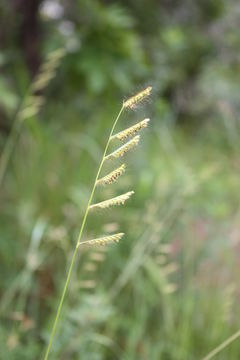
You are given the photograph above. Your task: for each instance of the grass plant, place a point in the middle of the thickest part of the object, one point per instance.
(107, 179)
(30, 106)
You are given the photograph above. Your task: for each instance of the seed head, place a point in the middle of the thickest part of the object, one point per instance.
(134, 100)
(124, 148)
(103, 240)
(112, 176)
(131, 130)
(118, 200)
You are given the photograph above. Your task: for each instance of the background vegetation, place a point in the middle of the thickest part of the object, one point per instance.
(170, 289)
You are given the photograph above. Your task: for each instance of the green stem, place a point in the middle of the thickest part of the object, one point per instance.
(79, 240)
(12, 138)
(8, 148)
(222, 346)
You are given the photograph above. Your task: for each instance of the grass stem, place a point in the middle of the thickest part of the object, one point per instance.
(8, 148)
(222, 346)
(54, 327)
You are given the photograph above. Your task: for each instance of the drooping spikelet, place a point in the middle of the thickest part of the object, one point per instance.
(131, 130)
(134, 100)
(104, 240)
(112, 176)
(53, 59)
(32, 107)
(47, 70)
(43, 79)
(118, 200)
(124, 148)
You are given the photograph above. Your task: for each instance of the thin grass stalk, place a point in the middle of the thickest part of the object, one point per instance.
(9, 147)
(48, 67)
(54, 327)
(12, 139)
(222, 346)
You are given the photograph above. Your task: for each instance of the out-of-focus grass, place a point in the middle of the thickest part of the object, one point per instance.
(169, 290)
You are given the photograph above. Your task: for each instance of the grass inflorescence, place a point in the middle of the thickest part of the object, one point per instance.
(30, 106)
(118, 200)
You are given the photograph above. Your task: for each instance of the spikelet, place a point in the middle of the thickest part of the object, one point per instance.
(38, 100)
(32, 107)
(53, 59)
(47, 70)
(131, 130)
(124, 148)
(28, 112)
(118, 200)
(134, 100)
(103, 240)
(42, 80)
(112, 176)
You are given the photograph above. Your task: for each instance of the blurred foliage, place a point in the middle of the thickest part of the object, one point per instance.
(170, 289)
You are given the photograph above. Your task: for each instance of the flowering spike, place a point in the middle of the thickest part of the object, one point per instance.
(56, 55)
(47, 70)
(118, 200)
(103, 240)
(124, 148)
(131, 130)
(134, 100)
(112, 176)
(32, 107)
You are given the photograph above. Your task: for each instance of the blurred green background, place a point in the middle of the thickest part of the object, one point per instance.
(170, 289)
